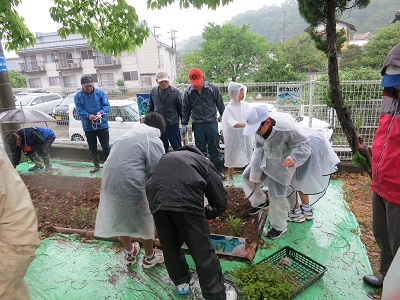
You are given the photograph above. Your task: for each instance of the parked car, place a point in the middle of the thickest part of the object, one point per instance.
(123, 116)
(60, 112)
(44, 102)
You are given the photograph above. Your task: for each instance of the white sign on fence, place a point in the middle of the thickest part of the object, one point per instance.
(289, 95)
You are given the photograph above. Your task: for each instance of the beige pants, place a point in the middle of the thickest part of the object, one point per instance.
(13, 268)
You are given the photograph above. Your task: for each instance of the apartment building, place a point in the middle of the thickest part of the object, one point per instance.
(54, 63)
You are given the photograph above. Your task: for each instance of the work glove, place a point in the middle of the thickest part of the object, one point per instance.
(27, 148)
(184, 128)
(15, 166)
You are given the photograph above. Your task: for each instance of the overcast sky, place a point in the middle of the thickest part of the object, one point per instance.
(187, 22)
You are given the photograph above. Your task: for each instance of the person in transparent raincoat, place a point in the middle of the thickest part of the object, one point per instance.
(238, 147)
(124, 210)
(287, 160)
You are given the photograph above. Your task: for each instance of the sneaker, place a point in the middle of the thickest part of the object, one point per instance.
(36, 167)
(183, 289)
(308, 214)
(158, 258)
(293, 217)
(95, 169)
(229, 183)
(231, 295)
(47, 170)
(130, 259)
(255, 210)
(274, 234)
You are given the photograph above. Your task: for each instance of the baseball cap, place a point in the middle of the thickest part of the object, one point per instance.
(195, 76)
(391, 78)
(162, 76)
(254, 118)
(87, 80)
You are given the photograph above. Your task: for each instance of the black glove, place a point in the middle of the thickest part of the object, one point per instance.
(210, 212)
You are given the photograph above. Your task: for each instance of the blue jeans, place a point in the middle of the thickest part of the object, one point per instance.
(172, 135)
(104, 138)
(207, 141)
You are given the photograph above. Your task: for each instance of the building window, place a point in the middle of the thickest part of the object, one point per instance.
(49, 58)
(104, 60)
(66, 60)
(54, 81)
(31, 63)
(87, 54)
(130, 76)
(70, 81)
(107, 79)
(34, 83)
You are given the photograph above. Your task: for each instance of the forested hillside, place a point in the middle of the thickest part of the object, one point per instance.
(281, 22)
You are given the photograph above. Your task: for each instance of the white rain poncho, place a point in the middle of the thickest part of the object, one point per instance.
(312, 153)
(123, 208)
(238, 147)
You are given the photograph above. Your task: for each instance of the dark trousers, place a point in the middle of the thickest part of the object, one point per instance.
(172, 135)
(43, 150)
(386, 228)
(207, 141)
(176, 228)
(104, 138)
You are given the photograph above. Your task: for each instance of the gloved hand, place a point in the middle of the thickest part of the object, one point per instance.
(27, 148)
(184, 128)
(15, 166)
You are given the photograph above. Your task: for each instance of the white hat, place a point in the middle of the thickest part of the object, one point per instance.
(254, 118)
(162, 76)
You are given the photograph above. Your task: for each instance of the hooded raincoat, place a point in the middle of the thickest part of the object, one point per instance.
(238, 147)
(311, 151)
(123, 208)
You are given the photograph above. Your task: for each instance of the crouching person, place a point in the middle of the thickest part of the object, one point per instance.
(35, 143)
(176, 190)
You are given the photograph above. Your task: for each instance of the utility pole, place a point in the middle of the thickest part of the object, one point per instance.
(6, 99)
(173, 37)
(154, 30)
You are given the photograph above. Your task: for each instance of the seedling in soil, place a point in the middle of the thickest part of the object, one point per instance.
(37, 212)
(72, 214)
(235, 224)
(81, 214)
(55, 213)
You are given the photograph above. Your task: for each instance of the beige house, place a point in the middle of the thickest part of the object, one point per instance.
(54, 63)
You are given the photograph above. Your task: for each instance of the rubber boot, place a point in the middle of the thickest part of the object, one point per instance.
(47, 166)
(96, 166)
(38, 162)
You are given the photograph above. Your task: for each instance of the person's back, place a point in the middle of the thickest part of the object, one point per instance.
(185, 175)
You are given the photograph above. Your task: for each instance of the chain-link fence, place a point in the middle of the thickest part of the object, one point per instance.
(312, 108)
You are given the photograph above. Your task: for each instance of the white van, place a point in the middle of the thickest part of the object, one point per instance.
(123, 116)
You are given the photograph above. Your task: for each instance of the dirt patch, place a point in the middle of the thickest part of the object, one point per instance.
(72, 202)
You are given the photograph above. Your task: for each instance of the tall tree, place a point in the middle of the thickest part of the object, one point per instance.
(17, 79)
(379, 45)
(351, 57)
(326, 12)
(300, 52)
(231, 51)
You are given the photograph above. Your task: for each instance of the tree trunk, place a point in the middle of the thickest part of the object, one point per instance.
(356, 142)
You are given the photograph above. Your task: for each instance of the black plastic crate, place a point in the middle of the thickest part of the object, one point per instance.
(307, 270)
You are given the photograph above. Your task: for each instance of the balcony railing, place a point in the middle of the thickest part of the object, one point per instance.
(106, 61)
(68, 64)
(30, 67)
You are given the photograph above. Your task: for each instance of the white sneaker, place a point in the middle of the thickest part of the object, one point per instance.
(231, 295)
(130, 259)
(183, 289)
(298, 218)
(158, 258)
(229, 183)
(308, 214)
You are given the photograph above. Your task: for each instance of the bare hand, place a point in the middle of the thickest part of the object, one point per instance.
(289, 162)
